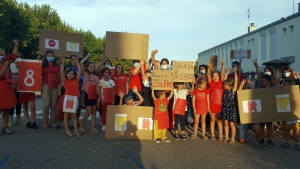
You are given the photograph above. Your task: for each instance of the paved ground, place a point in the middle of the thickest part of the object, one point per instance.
(53, 149)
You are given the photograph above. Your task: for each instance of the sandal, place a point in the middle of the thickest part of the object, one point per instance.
(45, 126)
(225, 140)
(231, 141)
(6, 130)
(69, 134)
(193, 136)
(220, 139)
(81, 130)
(95, 131)
(213, 138)
(204, 137)
(77, 133)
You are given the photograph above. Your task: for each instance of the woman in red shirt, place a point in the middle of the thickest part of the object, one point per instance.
(50, 81)
(121, 83)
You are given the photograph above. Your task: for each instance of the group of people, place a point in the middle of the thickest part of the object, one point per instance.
(95, 86)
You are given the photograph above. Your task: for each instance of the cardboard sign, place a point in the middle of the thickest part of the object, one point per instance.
(108, 95)
(29, 75)
(70, 104)
(183, 71)
(126, 45)
(92, 95)
(62, 43)
(240, 54)
(129, 122)
(161, 79)
(269, 104)
(180, 106)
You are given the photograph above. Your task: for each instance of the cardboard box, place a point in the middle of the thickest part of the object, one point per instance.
(63, 43)
(126, 45)
(162, 79)
(129, 122)
(183, 71)
(240, 54)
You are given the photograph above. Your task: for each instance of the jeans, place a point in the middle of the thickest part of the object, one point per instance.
(179, 118)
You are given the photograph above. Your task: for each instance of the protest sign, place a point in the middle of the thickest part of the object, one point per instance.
(269, 104)
(126, 45)
(129, 122)
(62, 43)
(161, 79)
(183, 71)
(29, 76)
(240, 54)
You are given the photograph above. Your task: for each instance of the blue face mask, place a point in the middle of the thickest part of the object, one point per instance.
(1, 58)
(136, 64)
(50, 59)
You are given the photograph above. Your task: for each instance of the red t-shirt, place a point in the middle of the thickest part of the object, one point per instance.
(201, 104)
(71, 87)
(136, 80)
(120, 82)
(215, 96)
(51, 69)
(242, 76)
(160, 106)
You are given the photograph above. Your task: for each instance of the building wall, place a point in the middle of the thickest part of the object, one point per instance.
(278, 41)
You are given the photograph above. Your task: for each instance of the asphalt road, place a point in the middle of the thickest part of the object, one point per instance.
(51, 148)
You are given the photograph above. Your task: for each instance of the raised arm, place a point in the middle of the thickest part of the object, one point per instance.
(226, 73)
(98, 65)
(209, 72)
(141, 99)
(222, 69)
(83, 60)
(257, 72)
(152, 94)
(242, 84)
(153, 54)
(171, 94)
(235, 79)
(135, 71)
(79, 70)
(142, 69)
(193, 86)
(16, 47)
(62, 70)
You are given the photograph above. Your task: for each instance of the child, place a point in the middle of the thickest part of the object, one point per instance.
(107, 89)
(26, 98)
(128, 98)
(229, 109)
(201, 105)
(146, 77)
(71, 83)
(121, 82)
(91, 89)
(59, 106)
(266, 82)
(180, 93)
(215, 80)
(288, 125)
(161, 115)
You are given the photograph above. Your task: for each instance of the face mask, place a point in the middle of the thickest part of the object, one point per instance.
(50, 59)
(286, 74)
(136, 64)
(164, 67)
(1, 58)
(107, 65)
(202, 71)
(268, 73)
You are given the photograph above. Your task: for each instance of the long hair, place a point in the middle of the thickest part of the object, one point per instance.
(45, 62)
(119, 64)
(290, 70)
(86, 66)
(270, 69)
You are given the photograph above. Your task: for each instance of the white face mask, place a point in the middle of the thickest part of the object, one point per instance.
(268, 73)
(164, 67)
(107, 65)
(202, 71)
(286, 74)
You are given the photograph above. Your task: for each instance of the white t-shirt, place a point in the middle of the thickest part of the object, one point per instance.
(106, 84)
(14, 69)
(147, 83)
(180, 94)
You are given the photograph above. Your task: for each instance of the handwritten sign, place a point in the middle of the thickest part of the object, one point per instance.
(126, 45)
(162, 79)
(240, 54)
(183, 71)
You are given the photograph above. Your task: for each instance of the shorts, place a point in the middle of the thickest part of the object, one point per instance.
(294, 126)
(27, 97)
(88, 102)
(243, 128)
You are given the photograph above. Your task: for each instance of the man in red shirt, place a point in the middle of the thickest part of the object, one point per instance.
(231, 75)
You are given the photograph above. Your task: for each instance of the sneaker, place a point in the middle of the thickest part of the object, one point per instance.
(28, 125)
(166, 141)
(19, 123)
(103, 128)
(183, 137)
(256, 145)
(285, 145)
(157, 141)
(10, 122)
(297, 147)
(177, 137)
(34, 126)
(262, 142)
(270, 143)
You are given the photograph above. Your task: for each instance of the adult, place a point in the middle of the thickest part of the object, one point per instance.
(6, 89)
(288, 73)
(50, 81)
(243, 128)
(14, 69)
(267, 70)
(121, 82)
(242, 77)
(74, 60)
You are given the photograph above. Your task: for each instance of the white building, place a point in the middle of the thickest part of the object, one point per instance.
(278, 40)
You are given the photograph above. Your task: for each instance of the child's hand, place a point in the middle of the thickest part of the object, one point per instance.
(222, 61)
(249, 81)
(255, 63)
(15, 41)
(209, 65)
(89, 55)
(228, 69)
(153, 53)
(135, 90)
(194, 81)
(121, 94)
(63, 60)
(142, 62)
(99, 100)
(243, 82)
(235, 69)
(209, 111)
(296, 75)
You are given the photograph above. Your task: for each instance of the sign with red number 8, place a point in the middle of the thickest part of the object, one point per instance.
(29, 76)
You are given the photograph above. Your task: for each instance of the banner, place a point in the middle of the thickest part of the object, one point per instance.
(126, 45)
(29, 75)
(269, 104)
(62, 43)
(127, 122)
(162, 79)
(183, 71)
(240, 54)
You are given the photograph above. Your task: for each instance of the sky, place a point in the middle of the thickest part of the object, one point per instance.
(179, 29)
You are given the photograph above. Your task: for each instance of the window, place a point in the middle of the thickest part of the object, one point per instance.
(252, 41)
(284, 31)
(273, 46)
(291, 28)
(263, 48)
(248, 42)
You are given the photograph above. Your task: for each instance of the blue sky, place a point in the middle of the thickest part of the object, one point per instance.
(179, 29)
